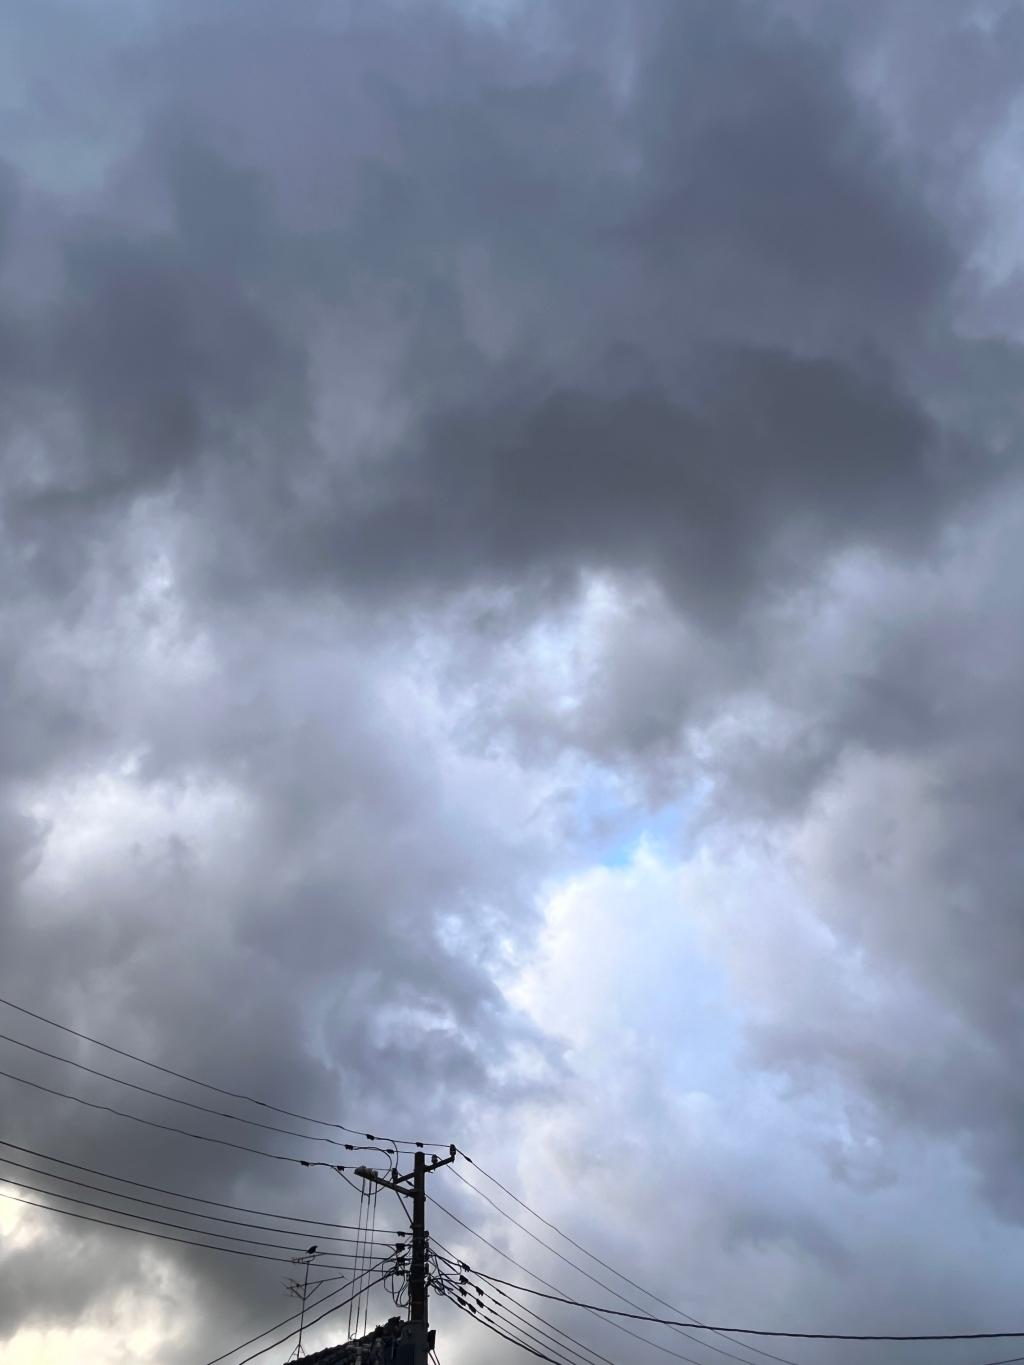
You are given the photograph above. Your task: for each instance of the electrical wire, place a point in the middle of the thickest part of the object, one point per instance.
(189, 1104)
(526, 1335)
(283, 1323)
(592, 1278)
(353, 1305)
(591, 1353)
(163, 1222)
(291, 1318)
(481, 1312)
(707, 1345)
(520, 1322)
(626, 1331)
(220, 1090)
(283, 1341)
(144, 1232)
(175, 1194)
(370, 1241)
(174, 1208)
(166, 1127)
(540, 1355)
(757, 1331)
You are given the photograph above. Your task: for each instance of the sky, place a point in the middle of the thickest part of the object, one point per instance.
(511, 635)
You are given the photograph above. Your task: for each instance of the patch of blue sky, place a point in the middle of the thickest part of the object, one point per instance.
(613, 824)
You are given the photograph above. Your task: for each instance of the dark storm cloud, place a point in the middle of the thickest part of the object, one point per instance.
(737, 196)
(779, 459)
(319, 318)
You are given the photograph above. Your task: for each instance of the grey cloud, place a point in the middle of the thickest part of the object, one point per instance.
(326, 326)
(703, 497)
(168, 355)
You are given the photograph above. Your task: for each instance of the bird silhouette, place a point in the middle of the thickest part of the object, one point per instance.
(312, 1250)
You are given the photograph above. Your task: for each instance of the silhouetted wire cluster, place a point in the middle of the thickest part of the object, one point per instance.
(155, 1189)
(471, 1300)
(53, 1184)
(359, 1308)
(659, 1346)
(409, 1143)
(502, 1306)
(363, 1286)
(483, 1304)
(563, 1296)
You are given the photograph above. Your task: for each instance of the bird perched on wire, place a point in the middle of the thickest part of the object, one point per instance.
(312, 1250)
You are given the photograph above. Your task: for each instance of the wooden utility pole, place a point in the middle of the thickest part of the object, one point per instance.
(417, 1341)
(418, 1265)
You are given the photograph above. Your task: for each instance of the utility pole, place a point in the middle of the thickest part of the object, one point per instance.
(418, 1265)
(418, 1339)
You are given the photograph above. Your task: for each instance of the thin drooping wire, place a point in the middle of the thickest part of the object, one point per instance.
(166, 1127)
(156, 1204)
(758, 1331)
(706, 1345)
(144, 1232)
(626, 1331)
(520, 1322)
(283, 1341)
(582, 1346)
(449, 1281)
(353, 1306)
(364, 1204)
(175, 1194)
(477, 1309)
(188, 1104)
(361, 1307)
(164, 1222)
(364, 1251)
(534, 1338)
(370, 1239)
(219, 1090)
(586, 1274)
(490, 1327)
(273, 1328)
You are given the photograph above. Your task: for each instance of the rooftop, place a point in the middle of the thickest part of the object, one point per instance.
(376, 1348)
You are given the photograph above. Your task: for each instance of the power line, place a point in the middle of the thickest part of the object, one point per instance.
(144, 1232)
(175, 1194)
(480, 1313)
(167, 1128)
(219, 1090)
(597, 1259)
(753, 1331)
(620, 1327)
(174, 1208)
(576, 1348)
(540, 1355)
(353, 1305)
(706, 1345)
(175, 1099)
(164, 1222)
(544, 1340)
(291, 1318)
(583, 1353)
(283, 1341)
(591, 1353)
(370, 1239)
